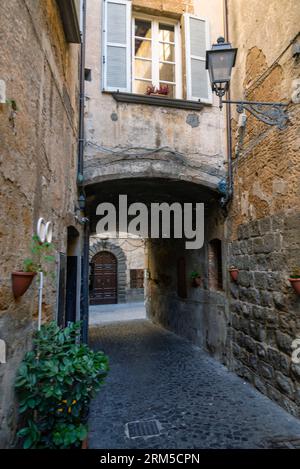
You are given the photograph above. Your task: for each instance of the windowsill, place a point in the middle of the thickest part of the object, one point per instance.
(132, 98)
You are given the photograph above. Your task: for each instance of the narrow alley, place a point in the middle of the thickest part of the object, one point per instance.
(198, 403)
(149, 228)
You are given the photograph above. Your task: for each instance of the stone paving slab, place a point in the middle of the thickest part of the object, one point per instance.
(104, 314)
(197, 401)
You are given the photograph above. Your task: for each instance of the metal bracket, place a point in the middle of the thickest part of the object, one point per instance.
(269, 113)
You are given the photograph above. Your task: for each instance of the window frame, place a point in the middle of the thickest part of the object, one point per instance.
(134, 279)
(155, 20)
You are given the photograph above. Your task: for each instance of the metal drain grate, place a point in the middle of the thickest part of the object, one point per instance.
(142, 428)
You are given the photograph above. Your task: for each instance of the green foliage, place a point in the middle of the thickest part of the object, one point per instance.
(55, 383)
(13, 104)
(41, 256)
(195, 274)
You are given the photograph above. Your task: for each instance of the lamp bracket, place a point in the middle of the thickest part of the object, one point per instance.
(269, 113)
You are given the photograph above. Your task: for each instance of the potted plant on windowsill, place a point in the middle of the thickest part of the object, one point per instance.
(295, 281)
(234, 272)
(41, 254)
(196, 279)
(162, 91)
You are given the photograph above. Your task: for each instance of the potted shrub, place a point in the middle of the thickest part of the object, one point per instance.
(295, 281)
(234, 272)
(41, 254)
(55, 383)
(196, 279)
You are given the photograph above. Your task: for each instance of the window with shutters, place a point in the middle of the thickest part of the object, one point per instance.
(137, 278)
(141, 50)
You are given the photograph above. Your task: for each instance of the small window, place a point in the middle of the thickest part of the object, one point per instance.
(88, 74)
(137, 278)
(215, 273)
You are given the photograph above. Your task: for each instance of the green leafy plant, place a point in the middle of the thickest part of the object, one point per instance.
(195, 274)
(41, 256)
(55, 383)
(13, 104)
(295, 274)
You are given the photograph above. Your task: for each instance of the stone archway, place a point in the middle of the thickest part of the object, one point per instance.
(98, 245)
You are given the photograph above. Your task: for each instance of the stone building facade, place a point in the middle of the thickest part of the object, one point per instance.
(38, 169)
(264, 220)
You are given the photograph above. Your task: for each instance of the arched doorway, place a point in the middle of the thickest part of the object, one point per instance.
(104, 279)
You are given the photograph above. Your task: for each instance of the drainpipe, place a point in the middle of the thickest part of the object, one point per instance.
(229, 193)
(84, 293)
(81, 98)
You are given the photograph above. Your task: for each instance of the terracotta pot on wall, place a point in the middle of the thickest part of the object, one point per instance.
(21, 281)
(84, 444)
(295, 282)
(234, 274)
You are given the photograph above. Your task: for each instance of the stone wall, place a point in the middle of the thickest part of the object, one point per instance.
(38, 167)
(265, 312)
(264, 219)
(201, 317)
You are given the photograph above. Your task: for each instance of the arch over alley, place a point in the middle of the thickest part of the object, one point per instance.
(201, 313)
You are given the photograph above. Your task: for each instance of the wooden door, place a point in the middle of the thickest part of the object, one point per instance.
(104, 281)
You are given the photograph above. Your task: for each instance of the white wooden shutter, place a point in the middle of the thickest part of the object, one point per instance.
(197, 42)
(116, 41)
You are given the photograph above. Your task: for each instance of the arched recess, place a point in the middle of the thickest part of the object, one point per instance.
(99, 245)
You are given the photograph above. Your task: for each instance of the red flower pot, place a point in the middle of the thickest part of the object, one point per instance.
(84, 444)
(234, 274)
(295, 282)
(21, 281)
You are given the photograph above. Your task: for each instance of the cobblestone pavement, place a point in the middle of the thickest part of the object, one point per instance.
(199, 404)
(102, 314)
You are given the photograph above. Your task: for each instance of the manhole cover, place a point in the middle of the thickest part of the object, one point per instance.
(143, 428)
(282, 443)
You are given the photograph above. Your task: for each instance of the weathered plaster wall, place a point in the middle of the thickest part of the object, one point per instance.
(264, 219)
(117, 126)
(38, 162)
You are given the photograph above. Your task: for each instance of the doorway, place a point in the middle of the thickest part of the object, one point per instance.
(104, 279)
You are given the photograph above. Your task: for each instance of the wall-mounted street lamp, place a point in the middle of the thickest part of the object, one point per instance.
(81, 201)
(219, 62)
(81, 208)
